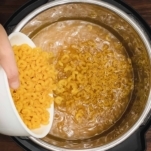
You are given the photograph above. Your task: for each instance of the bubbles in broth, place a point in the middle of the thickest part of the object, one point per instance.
(94, 77)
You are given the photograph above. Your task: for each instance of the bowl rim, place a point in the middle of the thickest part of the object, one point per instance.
(29, 132)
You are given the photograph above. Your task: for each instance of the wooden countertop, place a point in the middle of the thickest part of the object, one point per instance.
(8, 7)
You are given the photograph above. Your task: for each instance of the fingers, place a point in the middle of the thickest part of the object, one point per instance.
(7, 60)
(8, 64)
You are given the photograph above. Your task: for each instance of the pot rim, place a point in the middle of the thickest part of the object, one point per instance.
(141, 34)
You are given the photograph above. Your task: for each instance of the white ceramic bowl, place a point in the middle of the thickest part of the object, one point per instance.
(10, 122)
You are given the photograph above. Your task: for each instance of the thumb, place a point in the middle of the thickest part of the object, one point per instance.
(8, 64)
(7, 60)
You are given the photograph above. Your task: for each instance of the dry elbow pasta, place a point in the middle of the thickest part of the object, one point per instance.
(36, 83)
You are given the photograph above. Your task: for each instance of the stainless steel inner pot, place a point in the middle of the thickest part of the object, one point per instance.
(137, 44)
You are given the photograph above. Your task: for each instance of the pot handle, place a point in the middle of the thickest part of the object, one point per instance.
(21, 13)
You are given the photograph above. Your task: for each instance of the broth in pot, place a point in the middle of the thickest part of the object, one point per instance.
(94, 77)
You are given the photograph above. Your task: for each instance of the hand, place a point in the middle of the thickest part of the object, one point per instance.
(7, 60)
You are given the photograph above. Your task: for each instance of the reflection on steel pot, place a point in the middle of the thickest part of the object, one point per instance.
(48, 23)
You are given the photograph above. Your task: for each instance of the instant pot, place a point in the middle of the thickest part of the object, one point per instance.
(134, 141)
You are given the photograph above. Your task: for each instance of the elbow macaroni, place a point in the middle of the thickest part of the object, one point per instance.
(89, 77)
(36, 83)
